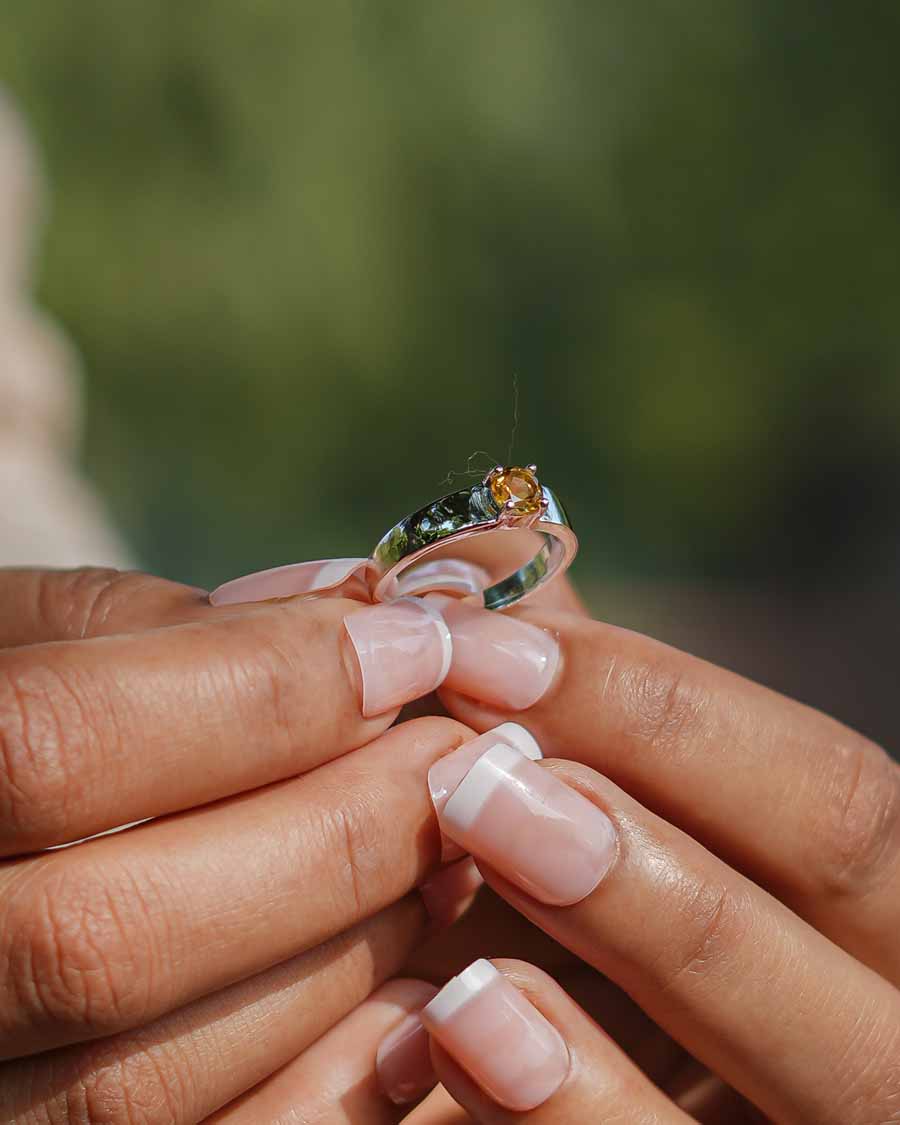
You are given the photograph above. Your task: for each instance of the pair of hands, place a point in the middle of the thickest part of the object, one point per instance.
(228, 957)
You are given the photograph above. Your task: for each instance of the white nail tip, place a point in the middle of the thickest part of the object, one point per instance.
(443, 632)
(523, 740)
(459, 990)
(336, 571)
(286, 581)
(476, 788)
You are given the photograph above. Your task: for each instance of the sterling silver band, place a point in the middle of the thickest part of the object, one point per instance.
(476, 511)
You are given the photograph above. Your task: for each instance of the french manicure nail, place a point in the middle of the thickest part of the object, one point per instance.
(403, 1061)
(403, 649)
(498, 659)
(532, 828)
(447, 772)
(453, 575)
(498, 1037)
(448, 893)
(287, 581)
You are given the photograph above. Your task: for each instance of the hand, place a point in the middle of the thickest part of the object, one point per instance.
(157, 973)
(741, 885)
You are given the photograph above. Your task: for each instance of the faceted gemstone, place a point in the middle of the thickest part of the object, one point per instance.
(518, 485)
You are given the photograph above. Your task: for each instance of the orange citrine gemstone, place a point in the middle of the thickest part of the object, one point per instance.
(518, 485)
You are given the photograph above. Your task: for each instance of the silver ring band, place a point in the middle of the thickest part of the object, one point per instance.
(486, 507)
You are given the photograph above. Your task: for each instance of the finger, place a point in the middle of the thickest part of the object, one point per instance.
(99, 733)
(334, 1080)
(39, 605)
(187, 1064)
(709, 750)
(741, 982)
(115, 931)
(511, 1046)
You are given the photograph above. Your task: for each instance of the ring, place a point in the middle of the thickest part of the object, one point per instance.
(509, 499)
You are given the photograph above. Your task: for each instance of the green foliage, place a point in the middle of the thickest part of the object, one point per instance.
(304, 249)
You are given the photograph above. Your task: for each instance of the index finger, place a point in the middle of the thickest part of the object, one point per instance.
(38, 604)
(98, 733)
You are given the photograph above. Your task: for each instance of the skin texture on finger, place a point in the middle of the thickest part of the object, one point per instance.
(599, 1082)
(187, 1064)
(710, 751)
(113, 932)
(334, 1080)
(39, 605)
(99, 733)
(745, 985)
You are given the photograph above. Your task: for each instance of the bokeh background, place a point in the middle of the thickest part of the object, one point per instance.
(314, 256)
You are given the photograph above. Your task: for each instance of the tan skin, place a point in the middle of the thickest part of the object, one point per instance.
(276, 891)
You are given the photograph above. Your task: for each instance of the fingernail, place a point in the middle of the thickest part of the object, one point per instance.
(498, 659)
(447, 772)
(449, 892)
(498, 1037)
(404, 651)
(454, 575)
(533, 829)
(287, 581)
(403, 1061)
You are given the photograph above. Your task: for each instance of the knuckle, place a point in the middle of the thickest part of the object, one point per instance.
(666, 705)
(854, 843)
(710, 926)
(80, 603)
(355, 844)
(81, 950)
(255, 675)
(140, 1087)
(41, 728)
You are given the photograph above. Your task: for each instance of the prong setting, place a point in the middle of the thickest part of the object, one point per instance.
(518, 495)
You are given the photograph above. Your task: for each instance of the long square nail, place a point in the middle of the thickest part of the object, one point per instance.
(505, 1044)
(403, 650)
(535, 830)
(446, 774)
(498, 659)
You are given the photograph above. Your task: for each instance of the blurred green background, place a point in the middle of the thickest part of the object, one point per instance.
(305, 248)
(306, 251)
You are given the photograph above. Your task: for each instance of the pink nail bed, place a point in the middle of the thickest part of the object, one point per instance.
(533, 829)
(446, 774)
(498, 1037)
(287, 581)
(498, 659)
(403, 649)
(403, 1061)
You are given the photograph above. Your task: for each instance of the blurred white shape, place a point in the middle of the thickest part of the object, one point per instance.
(49, 515)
